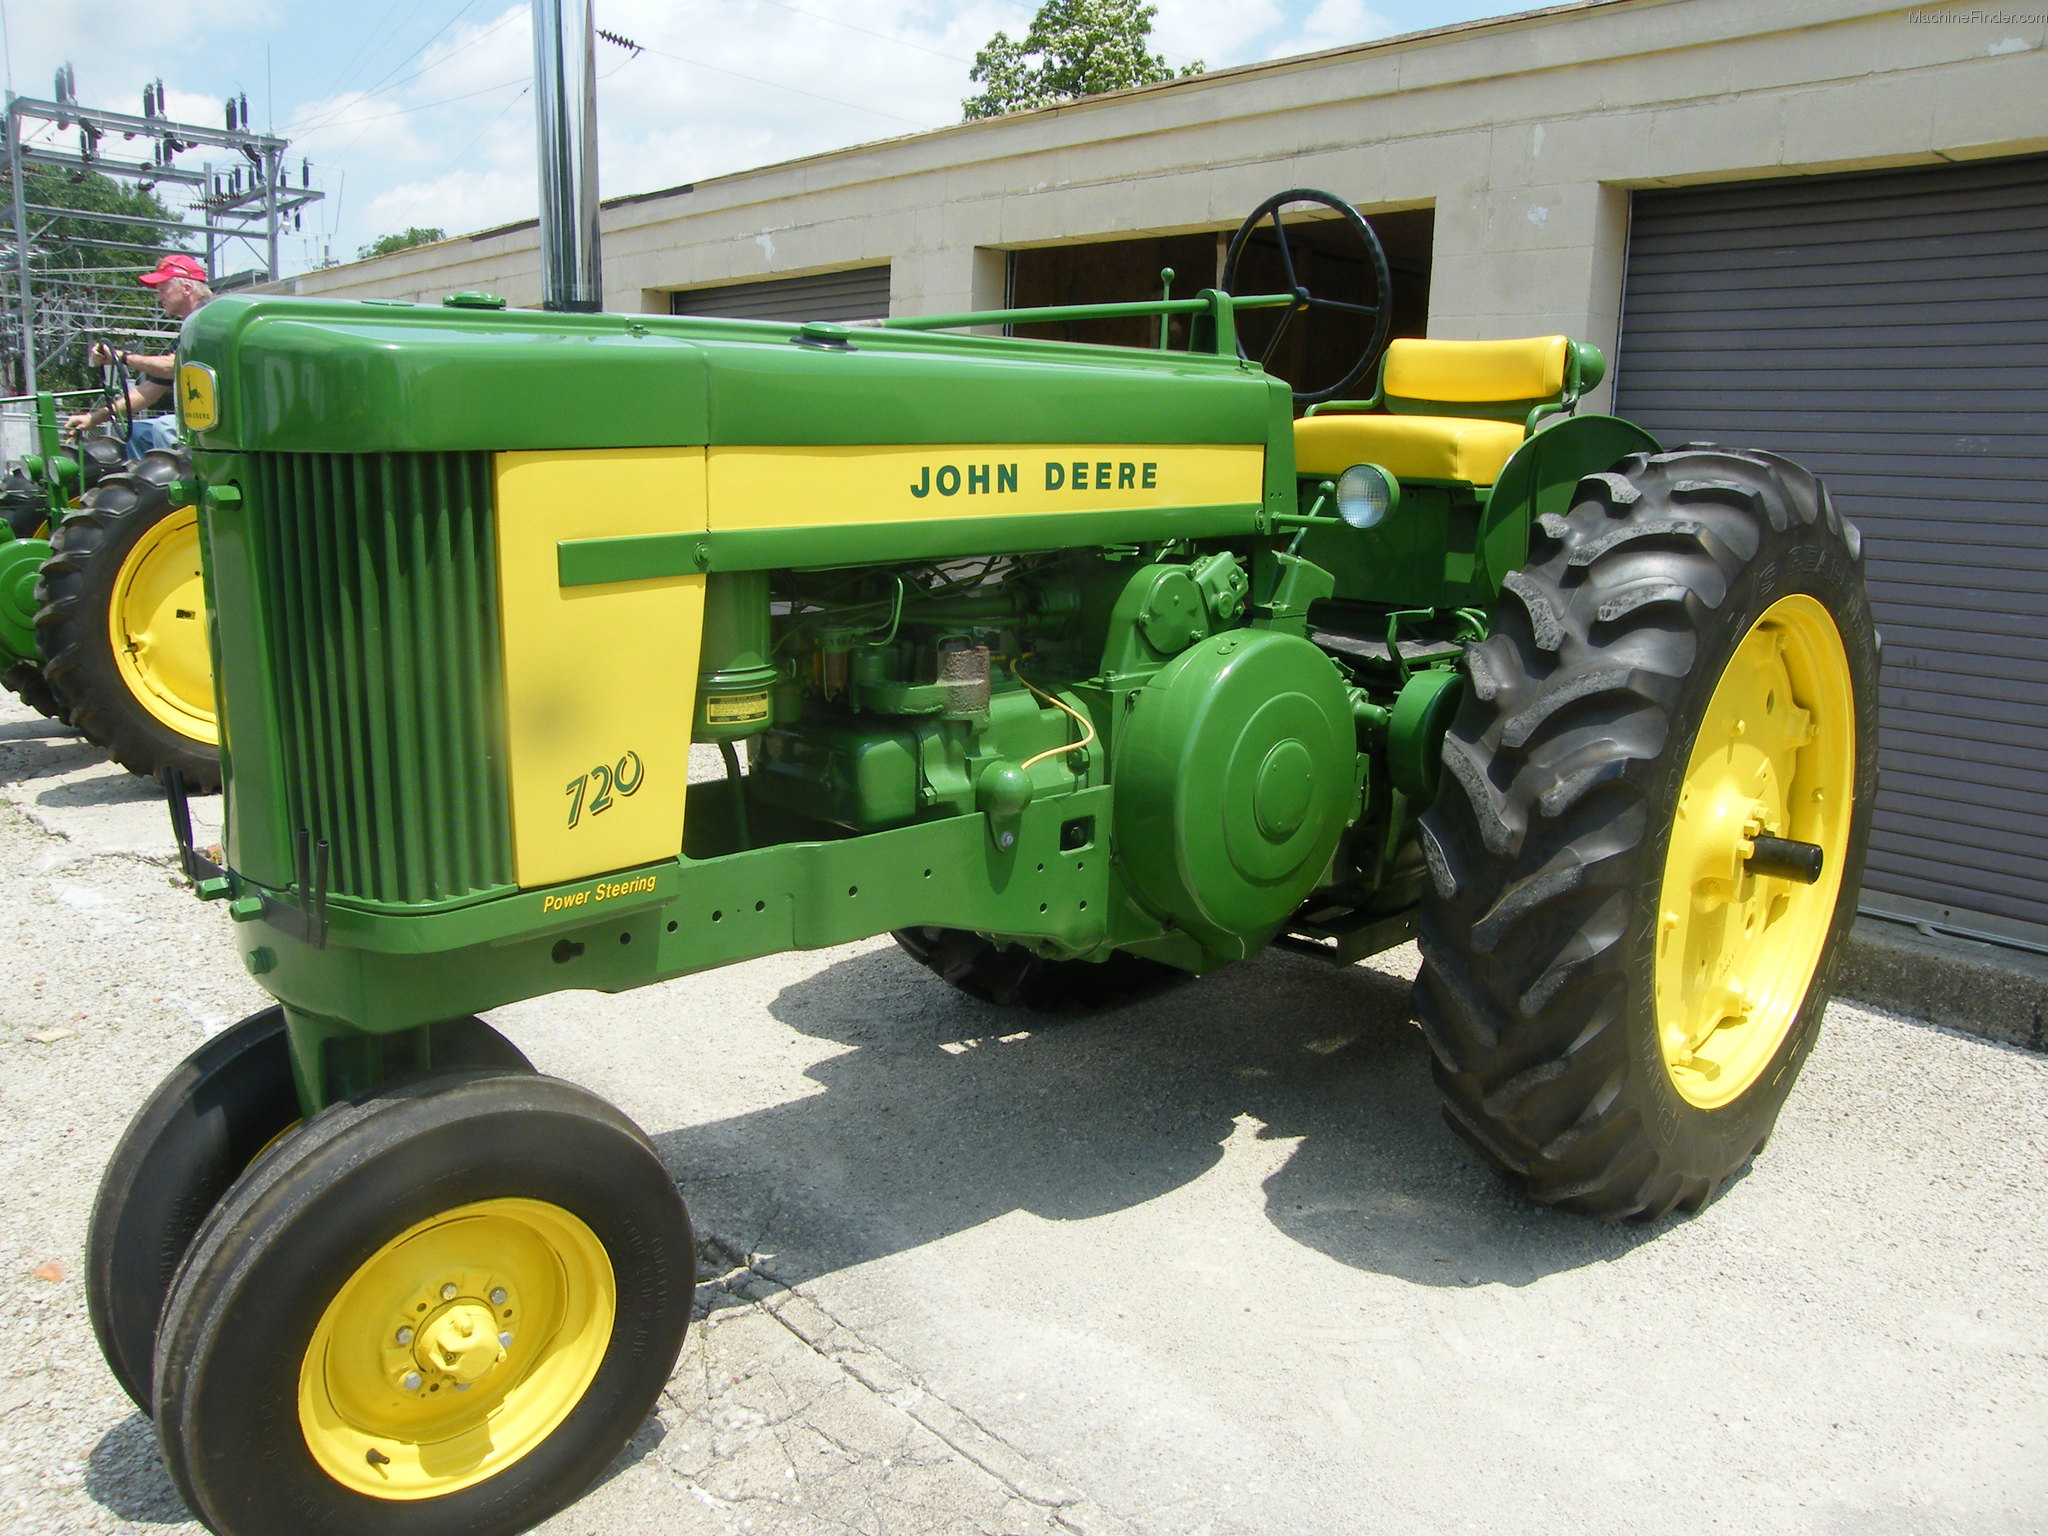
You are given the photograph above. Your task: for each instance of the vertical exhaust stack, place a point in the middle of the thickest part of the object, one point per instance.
(565, 107)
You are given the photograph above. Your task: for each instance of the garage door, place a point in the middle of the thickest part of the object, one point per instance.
(862, 294)
(1890, 331)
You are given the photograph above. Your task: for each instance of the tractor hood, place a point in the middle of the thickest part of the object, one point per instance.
(391, 376)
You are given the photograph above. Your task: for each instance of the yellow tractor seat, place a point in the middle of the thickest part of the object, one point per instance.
(1448, 410)
(1413, 447)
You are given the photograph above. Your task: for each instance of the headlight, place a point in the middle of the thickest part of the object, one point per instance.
(1366, 494)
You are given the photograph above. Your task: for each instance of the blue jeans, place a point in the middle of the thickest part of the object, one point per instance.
(152, 432)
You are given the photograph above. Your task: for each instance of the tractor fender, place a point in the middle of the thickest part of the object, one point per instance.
(1540, 478)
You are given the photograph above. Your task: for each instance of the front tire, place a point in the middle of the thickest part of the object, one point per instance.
(217, 1111)
(1616, 1000)
(443, 1307)
(121, 624)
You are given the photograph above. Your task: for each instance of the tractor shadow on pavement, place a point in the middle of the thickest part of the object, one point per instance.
(945, 1113)
(36, 748)
(125, 1475)
(118, 787)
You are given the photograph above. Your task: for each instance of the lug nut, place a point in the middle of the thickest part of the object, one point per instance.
(498, 1296)
(504, 1341)
(448, 1291)
(405, 1335)
(411, 1382)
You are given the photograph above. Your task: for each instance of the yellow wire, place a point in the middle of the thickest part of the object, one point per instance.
(1087, 725)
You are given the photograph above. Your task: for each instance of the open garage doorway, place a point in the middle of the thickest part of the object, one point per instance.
(1113, 271)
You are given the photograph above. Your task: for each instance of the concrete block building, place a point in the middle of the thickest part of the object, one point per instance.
(1814, 226)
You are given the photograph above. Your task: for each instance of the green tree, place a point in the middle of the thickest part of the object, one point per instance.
(1072, 48)
(403, 241)
(84, 290)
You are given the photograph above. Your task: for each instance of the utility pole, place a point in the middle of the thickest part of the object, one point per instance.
(24, 291)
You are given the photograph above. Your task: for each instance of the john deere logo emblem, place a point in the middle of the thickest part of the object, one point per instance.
(196, 405)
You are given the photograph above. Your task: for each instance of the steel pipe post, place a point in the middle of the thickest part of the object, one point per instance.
(565, 111)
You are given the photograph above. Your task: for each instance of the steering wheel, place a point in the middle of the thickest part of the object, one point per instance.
(1379, 311)
(114, 379)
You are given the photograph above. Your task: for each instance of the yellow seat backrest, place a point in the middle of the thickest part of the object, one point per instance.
(1418, 372)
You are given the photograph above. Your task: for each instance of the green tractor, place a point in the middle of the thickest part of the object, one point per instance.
(1079, 668)
(102, 609)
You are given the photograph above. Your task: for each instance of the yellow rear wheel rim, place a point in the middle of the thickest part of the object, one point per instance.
(456, 1349)
(157, 622)
(1776, 755)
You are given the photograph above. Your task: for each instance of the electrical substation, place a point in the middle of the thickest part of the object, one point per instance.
(238, 202)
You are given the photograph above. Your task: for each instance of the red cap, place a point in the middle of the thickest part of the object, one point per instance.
(174, 266)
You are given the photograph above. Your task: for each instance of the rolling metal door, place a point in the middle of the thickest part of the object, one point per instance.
(862, 294)
(1890, 331)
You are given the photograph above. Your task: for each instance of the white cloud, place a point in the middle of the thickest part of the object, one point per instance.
(1336, 23)
(1224, 32)
(768, 83)
(1218, 32)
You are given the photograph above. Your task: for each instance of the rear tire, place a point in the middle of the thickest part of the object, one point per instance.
(26, 682)
(126, 564)
(1009, 976)
(1572, 945)
(188, 1144)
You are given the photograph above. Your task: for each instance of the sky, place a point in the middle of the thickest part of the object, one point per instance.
(417, 112)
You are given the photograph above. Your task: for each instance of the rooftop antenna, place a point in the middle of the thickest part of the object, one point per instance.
(565, 112)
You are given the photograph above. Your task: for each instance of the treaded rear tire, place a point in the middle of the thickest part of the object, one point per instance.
(1547, 842)
(1011, 976)
(26, 682)
(75, 595)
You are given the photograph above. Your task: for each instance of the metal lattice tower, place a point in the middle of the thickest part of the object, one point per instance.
(246, 203)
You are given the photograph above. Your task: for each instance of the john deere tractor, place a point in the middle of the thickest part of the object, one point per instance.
(102, 611)
(1079, 668)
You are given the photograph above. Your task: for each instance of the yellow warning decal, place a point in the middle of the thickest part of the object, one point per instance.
(736, 709)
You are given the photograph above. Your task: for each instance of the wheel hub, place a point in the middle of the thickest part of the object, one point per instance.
(456, 1348)
(157, 624)
(1738, 941)
(452, 1335)
(460, 1344)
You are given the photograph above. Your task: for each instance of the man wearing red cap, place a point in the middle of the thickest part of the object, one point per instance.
(180, 284)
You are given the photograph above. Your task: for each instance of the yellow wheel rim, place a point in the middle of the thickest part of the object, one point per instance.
(1776, 755)
(157, 622)
(460, 1346)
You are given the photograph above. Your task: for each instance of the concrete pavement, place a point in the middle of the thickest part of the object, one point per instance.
(1210, 1264)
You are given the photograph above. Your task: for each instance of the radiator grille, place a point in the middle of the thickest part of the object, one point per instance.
(382, 590)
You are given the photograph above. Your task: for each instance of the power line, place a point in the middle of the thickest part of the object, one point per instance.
(463, 153)
(426, 69)
(423, 47)
(428, 106)
(355, 58)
